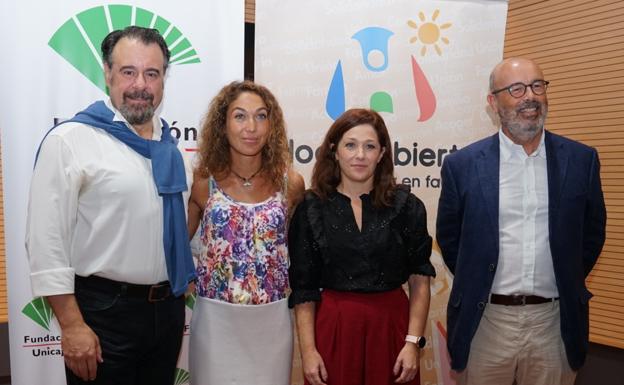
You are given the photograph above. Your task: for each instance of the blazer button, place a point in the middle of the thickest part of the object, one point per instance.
(481, 305)
(492, 267)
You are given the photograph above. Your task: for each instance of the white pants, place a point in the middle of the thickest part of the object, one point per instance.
(521, 343)
(240, 344)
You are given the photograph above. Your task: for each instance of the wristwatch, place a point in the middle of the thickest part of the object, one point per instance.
(420, 341)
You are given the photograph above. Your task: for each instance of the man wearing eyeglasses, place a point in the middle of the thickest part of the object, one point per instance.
(521, 222)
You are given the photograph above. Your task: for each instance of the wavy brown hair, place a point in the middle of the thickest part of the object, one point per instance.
(214, 148)
(326, 172)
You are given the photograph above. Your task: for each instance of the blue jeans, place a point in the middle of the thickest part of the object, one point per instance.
(140, 339)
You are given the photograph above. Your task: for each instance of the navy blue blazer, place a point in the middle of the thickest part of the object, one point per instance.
(467, 233)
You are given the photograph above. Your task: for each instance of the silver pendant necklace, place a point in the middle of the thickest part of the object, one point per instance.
(246, 181)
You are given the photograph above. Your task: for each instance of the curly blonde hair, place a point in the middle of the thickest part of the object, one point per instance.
(214, 148)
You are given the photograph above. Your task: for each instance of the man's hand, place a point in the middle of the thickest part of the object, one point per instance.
(81, 346)
(81, 349)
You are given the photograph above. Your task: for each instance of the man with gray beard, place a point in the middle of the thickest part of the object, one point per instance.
(106, 232)
(521, 222)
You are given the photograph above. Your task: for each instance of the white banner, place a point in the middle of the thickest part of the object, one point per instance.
(51, 69)
(424, 65)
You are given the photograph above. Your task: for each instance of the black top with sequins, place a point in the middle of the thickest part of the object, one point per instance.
(327, 250)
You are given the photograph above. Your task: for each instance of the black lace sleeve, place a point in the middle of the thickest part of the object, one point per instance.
(305, 258)
(416, 236)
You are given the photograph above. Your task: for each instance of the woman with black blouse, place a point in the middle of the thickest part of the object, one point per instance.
(353, 241)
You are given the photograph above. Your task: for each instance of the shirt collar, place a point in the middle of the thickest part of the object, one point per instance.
(157, 124)
(509, 149)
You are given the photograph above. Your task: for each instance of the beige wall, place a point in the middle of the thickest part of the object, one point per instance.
(250, 11)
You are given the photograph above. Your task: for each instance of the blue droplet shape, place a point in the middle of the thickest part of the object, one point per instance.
(335, 103)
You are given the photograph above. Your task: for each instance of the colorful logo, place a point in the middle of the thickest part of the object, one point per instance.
(429, 33)
(78, 39)
(39, 311)
(374, 42)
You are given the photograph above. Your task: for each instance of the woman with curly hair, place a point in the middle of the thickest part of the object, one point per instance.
(243, 189)
(353, 242)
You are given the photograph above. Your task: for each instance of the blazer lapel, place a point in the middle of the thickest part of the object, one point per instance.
(557, 166)
(488, 173)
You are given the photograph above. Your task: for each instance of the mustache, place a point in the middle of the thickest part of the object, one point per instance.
(143, 95)
(529, 104)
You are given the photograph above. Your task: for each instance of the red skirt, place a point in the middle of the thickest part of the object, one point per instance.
(360, 335)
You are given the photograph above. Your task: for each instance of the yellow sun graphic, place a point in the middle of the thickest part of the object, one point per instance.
(429, 33)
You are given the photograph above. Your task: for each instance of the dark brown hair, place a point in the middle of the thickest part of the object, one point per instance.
(326, 172)
(146, 36)
(214, 148)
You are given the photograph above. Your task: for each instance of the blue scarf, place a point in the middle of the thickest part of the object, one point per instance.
(170, 180)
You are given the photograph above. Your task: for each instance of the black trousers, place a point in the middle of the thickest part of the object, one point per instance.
(140, 339)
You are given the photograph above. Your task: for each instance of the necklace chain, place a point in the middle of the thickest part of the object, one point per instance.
(246, 181)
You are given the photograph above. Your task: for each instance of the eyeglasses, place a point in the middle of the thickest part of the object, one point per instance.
(517, 90)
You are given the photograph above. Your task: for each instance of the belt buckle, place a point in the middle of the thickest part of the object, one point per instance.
(519, 300)
(153, 291)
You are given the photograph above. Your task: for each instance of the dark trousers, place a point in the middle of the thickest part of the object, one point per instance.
(140, 339)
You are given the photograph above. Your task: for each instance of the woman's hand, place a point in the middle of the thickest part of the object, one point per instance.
(407, 363)
(314, 368)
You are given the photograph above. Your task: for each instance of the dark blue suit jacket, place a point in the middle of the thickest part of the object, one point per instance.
(467, 233)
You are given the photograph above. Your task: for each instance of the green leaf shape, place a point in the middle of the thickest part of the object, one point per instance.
(181, 377)
(40, 311)
(381, 102)
(190, 301)
(78, 40)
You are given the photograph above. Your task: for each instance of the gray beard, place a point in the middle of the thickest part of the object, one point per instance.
(522, 131)
(137, 116)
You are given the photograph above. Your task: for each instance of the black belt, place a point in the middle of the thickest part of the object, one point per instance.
(518, 300)
(150, 293)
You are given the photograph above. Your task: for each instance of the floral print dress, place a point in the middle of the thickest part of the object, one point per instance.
(244, 258)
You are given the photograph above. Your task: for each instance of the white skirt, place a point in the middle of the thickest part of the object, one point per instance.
(240, 344)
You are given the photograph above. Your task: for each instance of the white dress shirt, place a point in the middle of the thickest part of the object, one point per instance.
(93, 209)
(525, 263)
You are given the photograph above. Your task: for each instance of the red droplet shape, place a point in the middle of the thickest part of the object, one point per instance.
(424, 94)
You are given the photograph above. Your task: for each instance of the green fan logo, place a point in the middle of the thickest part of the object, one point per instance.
(79, 38)
(181, 377)
(190, 300)
(39, 310)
